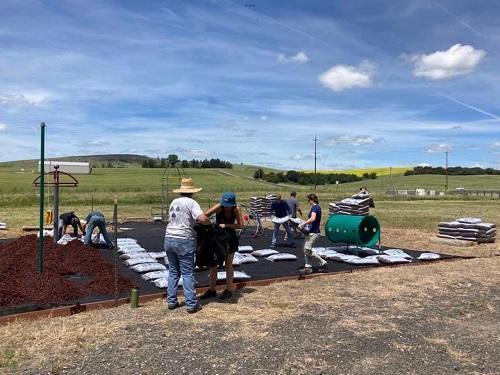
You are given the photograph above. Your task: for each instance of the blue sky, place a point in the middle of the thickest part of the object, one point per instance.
(380, 83)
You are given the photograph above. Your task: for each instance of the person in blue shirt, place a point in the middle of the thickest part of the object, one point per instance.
(313, 223)
(280, 210)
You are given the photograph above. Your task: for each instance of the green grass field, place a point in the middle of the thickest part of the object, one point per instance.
(139, 189)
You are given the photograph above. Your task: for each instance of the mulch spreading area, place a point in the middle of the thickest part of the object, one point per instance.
(76, 273)
(69, 273)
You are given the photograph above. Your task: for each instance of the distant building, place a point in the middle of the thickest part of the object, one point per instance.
(73, 167)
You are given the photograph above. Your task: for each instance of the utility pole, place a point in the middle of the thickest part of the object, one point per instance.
(315, 155)
(446, 173)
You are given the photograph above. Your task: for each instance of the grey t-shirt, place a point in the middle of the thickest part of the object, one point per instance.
(293, 204)
(182, 216)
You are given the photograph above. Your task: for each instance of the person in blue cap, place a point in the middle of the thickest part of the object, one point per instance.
(228, 218)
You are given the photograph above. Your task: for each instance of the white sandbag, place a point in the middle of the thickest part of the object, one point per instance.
(148, 276)
(98, 238)
(161, 282)
(46, 233)
(139, 260)
(132, 249)
(280, 220)
(245, 249)
(429, 256)
(389, 259)
(3, 226)
(361, 261)
(397, 253)
(469, 220)
(126, 240)
(318, 249)
(240, 259)
(238, 275)
(281, 256)
(147, 267)
(65, 239)
(296, 220)
(157, 254)
(133, 254)
(264, 252)
(368, 251)
(339, 257)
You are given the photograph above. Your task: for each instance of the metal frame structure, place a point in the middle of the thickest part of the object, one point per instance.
(165, 188)
(56, 183)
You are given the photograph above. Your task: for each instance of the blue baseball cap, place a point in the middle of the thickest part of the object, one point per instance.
(228, 200)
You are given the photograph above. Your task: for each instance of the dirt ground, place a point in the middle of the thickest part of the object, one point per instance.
(431, 319)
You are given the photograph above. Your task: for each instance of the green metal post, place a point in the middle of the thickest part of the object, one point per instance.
(134, 298)
(42, 193)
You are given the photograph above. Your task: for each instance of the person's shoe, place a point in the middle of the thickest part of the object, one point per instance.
(273, 246)
(292, 244)
(173, 306)
(226, 294)
(208, 294)
(323, 268)
(305, 270)
(194, 309)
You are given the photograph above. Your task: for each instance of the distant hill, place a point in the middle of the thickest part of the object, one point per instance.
(116, 160)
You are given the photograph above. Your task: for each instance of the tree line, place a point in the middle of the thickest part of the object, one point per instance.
(303, 178)
(173, 161)
(453, 171)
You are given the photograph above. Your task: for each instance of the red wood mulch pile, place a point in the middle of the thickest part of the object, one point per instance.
(20, 282)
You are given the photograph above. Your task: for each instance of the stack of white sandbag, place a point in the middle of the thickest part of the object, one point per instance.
(468, 229)
(137, 258)
(351, 206)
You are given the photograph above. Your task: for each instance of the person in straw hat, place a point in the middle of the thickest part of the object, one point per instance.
(180, 244)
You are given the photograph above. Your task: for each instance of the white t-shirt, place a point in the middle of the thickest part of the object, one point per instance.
(182, 216)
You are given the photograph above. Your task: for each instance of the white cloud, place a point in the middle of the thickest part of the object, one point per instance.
(440, 147)
(457, 60)
(23, 100)
(3, 126)
(263, 118)
(300, 58)
(495, 146)
(423, 165)
(342, 77)
(356, 140)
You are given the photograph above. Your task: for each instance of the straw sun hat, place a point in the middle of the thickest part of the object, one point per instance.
(187, 186)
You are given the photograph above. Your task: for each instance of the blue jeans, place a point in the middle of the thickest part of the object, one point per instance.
(180, 254)
(277, 230)
(99, 222)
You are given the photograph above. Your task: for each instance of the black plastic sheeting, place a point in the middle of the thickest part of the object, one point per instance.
(150, 235)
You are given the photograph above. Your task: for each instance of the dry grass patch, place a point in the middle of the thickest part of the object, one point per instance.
(360, 304)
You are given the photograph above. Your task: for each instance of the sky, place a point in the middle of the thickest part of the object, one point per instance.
(379, 83)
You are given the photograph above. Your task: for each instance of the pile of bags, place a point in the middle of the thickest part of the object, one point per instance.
(351, 206)
(262, 205)
(371, 256)
(468, 229)
(147, 264)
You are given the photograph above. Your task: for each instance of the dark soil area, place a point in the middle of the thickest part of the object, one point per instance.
(69, 272)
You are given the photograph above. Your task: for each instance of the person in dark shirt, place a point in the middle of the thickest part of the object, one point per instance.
(96, 219)
(280, 209)
(69, 218)
(228, 219)
(313, 222)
